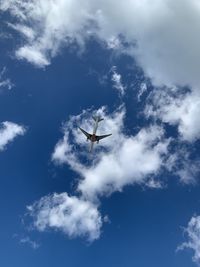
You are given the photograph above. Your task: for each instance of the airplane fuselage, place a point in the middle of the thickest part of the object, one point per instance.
(93, 138)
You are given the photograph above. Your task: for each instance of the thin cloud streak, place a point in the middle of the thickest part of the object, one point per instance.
(192, 232)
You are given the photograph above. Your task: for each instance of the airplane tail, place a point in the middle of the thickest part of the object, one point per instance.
(91, 147)
(97, 118)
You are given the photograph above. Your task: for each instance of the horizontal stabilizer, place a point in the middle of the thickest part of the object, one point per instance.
(97, 118)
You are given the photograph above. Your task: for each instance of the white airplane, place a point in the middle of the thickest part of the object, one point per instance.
(93, 137)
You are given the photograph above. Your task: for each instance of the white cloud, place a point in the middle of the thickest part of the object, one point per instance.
(131, 161)
(112, 123)
(177, 109)
(32, 55)
(27, 240)
(123, 160)
(114, 42)
(181, 164)
(5, 82)
(193, 235)
(49, 25)
(116, 162)
(73, 216)
(117, 81)
(23, 29)
(8, 132)
(163, 37)
(143, 89)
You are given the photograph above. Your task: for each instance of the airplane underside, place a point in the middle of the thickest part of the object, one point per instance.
(93, 137)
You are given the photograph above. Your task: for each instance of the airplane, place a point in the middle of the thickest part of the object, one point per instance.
(93, 137)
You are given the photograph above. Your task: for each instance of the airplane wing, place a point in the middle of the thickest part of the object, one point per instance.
(99, 137)
(85, 133)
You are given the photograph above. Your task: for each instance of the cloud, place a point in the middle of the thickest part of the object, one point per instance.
(162, 37)
(73, 216)
(32, 55)
(132, 161)
(193, 235)
(177, 108)
(47, 25)
(123, 160)
(116, 78)
(5, 82)
(119, 161)
(27, 240)
(143, 89)
(181, 162)
(8, 132)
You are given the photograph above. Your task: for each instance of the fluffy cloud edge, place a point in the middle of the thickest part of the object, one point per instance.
(155, 35)
(121, 160)
(74, 216)
(8, 132)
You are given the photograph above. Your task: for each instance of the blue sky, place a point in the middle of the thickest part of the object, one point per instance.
(135, 200)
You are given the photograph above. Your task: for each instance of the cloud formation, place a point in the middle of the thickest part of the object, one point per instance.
(177, 108)
(193, 235)
(162, 36)
(5, 82)
(122, 160)
(31, 243)
(73, 216)
(8, 132)
(116, 78)
(125, 159)
(47, 25)
(143, 89)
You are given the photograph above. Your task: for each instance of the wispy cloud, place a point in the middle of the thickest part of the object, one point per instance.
(5, 82)
(193, 235)
(8, 132)
(116, 78)
(27, 240)
(143, 89)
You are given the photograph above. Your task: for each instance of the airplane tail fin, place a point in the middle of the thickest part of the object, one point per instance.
(97, 118)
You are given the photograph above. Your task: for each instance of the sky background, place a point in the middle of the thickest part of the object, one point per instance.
(141, 184)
